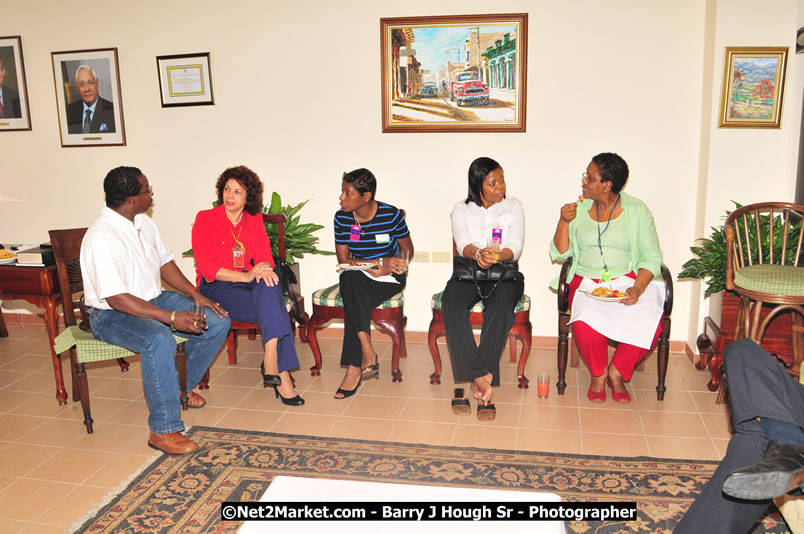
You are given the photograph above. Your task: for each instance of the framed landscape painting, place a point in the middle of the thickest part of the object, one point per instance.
(753, 87)
(456, 73)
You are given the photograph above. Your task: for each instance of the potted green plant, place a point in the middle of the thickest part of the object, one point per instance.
(299, 238)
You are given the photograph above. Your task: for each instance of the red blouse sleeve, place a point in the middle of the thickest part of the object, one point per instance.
(207, 262)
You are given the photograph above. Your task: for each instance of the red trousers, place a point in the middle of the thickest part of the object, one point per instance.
(594, 346)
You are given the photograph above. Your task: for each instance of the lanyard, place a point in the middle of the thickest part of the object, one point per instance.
(599, 233)
(237, 239)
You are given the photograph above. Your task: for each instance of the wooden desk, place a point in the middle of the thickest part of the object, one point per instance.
(39, 286)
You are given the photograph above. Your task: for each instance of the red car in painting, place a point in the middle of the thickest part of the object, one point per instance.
(467, 88)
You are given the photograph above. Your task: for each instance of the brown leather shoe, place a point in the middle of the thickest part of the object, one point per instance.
(194, 400)
(174, 443)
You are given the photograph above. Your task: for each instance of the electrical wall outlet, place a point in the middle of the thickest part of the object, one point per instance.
(421, 257)
(441, 257)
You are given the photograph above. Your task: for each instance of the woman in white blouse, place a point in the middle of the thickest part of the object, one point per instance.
(486, 227)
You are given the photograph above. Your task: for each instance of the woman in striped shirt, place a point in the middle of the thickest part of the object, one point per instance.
(366, 230)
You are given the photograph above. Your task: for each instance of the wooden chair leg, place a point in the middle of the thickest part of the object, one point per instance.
(394, 328)
(662, 355)
(83, 390)
(181, 364)
(313, 326)
(563, 346)
(303, 327)
(527, 337)
(512, 347)
(435, 329)
(231, 346)
(204, 384)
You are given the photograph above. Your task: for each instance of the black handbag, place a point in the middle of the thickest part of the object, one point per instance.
(468, 270)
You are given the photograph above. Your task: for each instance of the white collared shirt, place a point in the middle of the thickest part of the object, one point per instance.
(118, 256)
(472, 224)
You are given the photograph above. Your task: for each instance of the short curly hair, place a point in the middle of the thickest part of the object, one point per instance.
(249, 180)
(613, 169)
(120, 184)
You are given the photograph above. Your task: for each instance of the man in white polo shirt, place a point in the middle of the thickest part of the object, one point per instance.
(123, 263)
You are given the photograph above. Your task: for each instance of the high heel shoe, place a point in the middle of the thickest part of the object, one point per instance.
(269, 380)
(616, 395)
(293, 401)
(345, 393)
(596, 396)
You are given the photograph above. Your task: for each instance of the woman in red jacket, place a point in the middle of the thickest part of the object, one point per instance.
(235, 267)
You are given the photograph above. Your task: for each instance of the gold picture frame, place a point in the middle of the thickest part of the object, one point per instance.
(753, 87)
(454, 73)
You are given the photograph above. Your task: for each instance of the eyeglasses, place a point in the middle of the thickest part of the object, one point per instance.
(148, 191)
(585, 178)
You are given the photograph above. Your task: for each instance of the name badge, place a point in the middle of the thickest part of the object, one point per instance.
(238, 258)
(605, 275)
(355, 234)
(383, 238)
(496, 235)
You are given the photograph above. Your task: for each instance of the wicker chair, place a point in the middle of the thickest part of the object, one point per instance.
(763, 246)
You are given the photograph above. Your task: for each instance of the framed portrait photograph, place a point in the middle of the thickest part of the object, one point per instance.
(185, 80)
(753, 87)
(90, 104)
(14, 111)
(456, 73)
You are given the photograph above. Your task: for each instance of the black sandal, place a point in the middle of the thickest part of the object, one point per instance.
(460, 404)
(370, 371)
(487, 412)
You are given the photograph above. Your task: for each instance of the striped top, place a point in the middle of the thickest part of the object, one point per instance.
(378, 237)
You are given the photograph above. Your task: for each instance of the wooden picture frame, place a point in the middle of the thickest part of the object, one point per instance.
(454, 73)
(16, 113)
(753, 87)
(89, 78)
(185, 80)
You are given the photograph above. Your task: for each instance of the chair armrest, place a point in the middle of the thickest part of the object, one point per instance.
(668, 291)
(563, 288)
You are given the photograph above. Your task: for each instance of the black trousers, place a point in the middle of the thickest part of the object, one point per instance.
(759, 386)
(360, 296)
(470, 360)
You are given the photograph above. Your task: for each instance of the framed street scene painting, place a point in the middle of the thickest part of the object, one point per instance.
(90, 106)
(185, 80)
(456, 73)
(14, 110)
(753, 87)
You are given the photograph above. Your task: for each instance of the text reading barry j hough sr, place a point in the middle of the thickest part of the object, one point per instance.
(430, 511)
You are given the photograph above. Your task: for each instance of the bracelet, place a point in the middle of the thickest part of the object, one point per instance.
(477, 253)
(172, 318)
(194, 290)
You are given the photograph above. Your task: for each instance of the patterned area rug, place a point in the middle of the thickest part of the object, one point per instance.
(183, 494)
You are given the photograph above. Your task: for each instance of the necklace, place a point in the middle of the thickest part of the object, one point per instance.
(599, 233)
(373, 214)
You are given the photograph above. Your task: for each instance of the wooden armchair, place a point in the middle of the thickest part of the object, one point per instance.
(564, 312)
(763, 248)
(83, 346)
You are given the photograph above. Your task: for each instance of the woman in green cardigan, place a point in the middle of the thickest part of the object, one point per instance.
(612, 240)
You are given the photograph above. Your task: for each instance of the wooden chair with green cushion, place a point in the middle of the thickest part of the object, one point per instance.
(522, 330)
(763, 246)
(389, 317)
(83, 346)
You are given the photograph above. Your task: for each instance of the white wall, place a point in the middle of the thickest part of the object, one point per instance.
(297, 90)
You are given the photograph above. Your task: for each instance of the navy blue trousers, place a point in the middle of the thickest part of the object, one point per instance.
(257, 302)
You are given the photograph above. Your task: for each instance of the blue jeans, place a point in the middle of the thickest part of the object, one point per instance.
(154, 341)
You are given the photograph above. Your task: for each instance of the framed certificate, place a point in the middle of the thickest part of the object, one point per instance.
(185, 80)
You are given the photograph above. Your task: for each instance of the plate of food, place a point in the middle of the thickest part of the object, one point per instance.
(356, 266)
(606, 295)
(6, 257)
